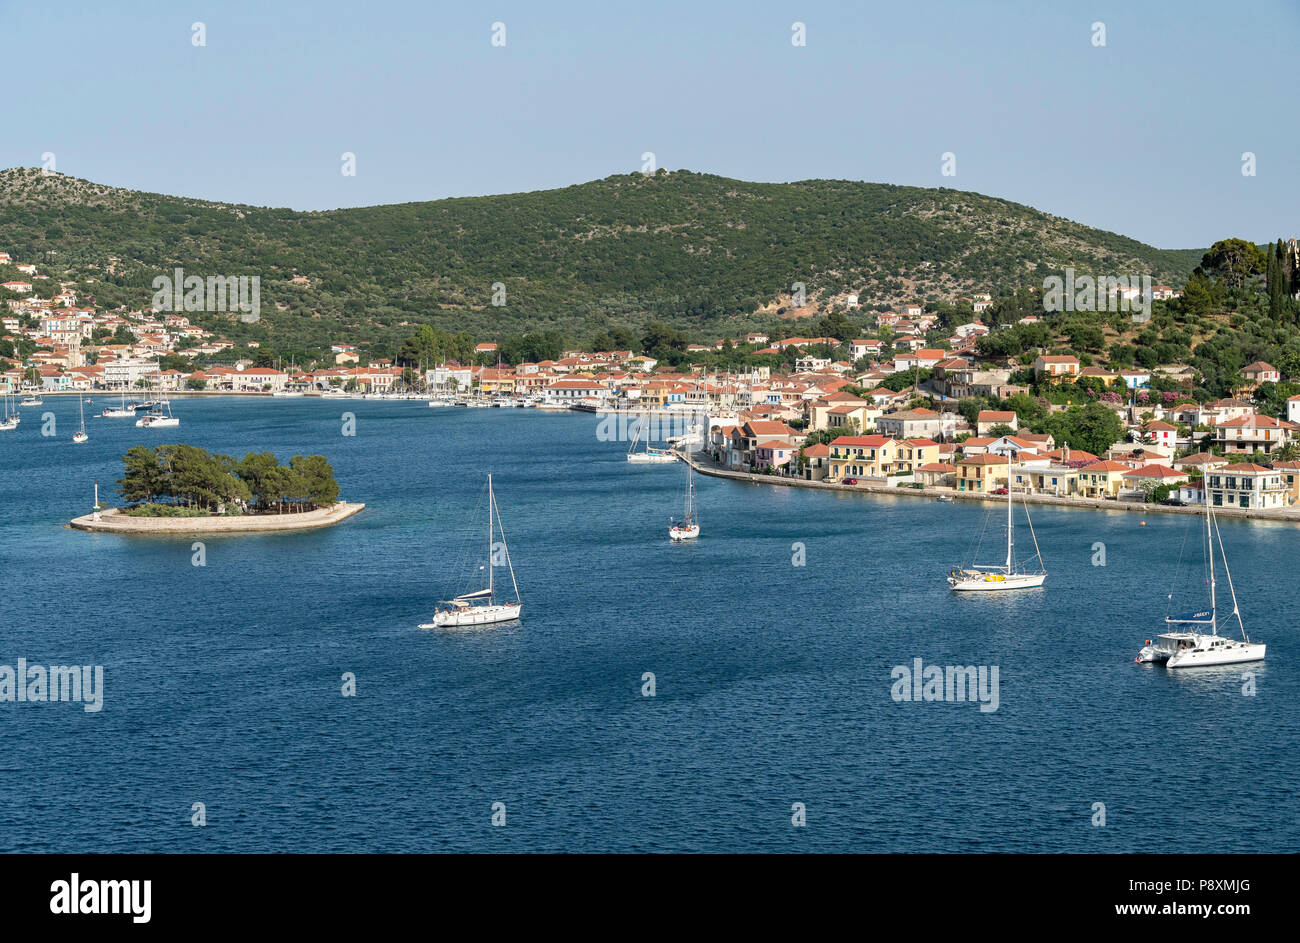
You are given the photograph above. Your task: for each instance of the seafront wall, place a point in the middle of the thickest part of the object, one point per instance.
(113, 521)
(705, 467)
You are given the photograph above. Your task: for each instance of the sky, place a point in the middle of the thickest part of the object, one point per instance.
(1144, 135)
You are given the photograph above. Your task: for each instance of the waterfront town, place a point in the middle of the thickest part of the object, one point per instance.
(893, 411)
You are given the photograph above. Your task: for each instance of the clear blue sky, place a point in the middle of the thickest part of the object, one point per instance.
(1143, 136)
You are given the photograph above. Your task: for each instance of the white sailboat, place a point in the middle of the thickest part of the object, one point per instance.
(80, 436)
(32, 399)
(1009, 575)
(123, 412)
(11, 418)
(648, 456)
(159, 417)
(688, 528)
(1189, 648)
(479, 607)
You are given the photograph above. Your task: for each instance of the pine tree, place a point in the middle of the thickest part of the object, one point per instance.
(1278, 284)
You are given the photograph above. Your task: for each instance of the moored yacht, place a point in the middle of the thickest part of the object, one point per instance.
(159, 417)
(480, 606)
(1192, 647)
(688, 528)
(1009, 575)
(11, 418)
(119, 412)
(80, 436)
(32, 399)
(648, 456)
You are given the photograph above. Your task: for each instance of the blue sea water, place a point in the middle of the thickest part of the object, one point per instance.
(773, 681)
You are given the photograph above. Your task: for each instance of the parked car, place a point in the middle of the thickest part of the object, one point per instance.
(1000, 491)
(850, 481)
(1174, 502)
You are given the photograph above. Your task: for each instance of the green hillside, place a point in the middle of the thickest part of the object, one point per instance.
(702, 253)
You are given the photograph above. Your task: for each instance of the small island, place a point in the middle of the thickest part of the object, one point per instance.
(183, 489)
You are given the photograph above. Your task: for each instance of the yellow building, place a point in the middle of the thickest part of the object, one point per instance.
(983, 473)
(913, 453)
(1102, 479)
(863, 456)
(1290, 472)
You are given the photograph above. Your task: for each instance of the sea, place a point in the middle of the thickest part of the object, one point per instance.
(750, 691)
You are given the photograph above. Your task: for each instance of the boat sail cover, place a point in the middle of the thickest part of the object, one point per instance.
(1203, 617)
(466, 597)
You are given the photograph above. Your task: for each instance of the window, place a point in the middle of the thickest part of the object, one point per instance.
(1218, 498)
(1244, 500)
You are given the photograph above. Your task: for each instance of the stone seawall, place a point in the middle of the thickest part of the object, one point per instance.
(113, 521)
(1285, 515)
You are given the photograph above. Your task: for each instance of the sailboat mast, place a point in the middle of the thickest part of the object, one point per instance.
(491, 502)
(1209, 555)
(1010, 517)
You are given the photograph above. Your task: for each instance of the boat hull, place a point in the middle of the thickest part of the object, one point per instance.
(684, 533)
(1230, 654)
(641, 458)
(996, 582)
(151, 422)
(118, 414)
(474, 615)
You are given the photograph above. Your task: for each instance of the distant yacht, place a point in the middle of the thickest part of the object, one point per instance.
(11, 418)
(32, 399)
(688, 528)
(1190, 648)
(80, 437)
(648, 456)
(159, 417)
(479, 606)
(122, 412)
(1009, 575)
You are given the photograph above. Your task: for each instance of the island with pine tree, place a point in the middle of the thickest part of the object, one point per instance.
(184, 489)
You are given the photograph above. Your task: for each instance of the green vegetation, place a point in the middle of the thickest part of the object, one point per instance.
(184, 481)
(599, 261)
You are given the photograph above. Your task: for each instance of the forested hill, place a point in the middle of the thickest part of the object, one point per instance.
(697, 251)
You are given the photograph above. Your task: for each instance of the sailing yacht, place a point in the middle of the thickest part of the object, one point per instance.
(479, 607)
(11, 418)
(1009, 575)
(32, 399)
(688, 528)
(159, 416)
(649, 456)
(80, 437)
(1190, 648)
(122, 412)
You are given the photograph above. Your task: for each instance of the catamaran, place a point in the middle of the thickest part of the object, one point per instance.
(688, 528)
(1009, 575)
(1190, 648)
(159, 417)
(479, 607)
(11, 418)
(123, 412)
(80, 437)
(649, 456)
